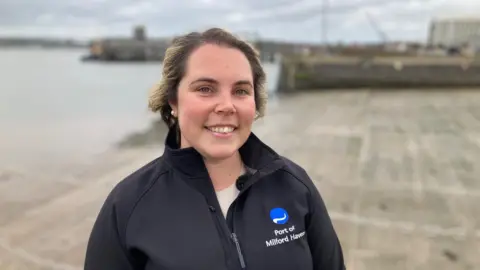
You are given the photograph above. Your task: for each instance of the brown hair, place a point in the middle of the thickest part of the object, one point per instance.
(175, 61)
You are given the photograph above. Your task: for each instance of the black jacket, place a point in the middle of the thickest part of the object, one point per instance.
(166, 216)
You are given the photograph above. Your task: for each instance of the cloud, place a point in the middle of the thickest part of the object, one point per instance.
(300, 20)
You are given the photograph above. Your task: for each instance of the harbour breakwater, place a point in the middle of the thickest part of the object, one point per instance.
(334, 72)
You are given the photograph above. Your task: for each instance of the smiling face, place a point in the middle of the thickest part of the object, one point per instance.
(215, 103)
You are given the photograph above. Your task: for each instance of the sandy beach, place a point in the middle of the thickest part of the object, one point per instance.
(398, 170)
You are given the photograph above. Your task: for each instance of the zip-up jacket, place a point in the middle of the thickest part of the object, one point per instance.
(166, 216)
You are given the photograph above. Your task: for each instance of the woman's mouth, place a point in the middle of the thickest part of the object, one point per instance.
(221, 131)
(226, 129)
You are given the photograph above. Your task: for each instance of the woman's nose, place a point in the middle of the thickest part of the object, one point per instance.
(225, 103)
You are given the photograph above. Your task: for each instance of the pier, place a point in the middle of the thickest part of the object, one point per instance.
(380, 72)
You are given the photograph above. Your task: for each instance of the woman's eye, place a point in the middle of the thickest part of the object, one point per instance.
(205, 89)
(242, 92)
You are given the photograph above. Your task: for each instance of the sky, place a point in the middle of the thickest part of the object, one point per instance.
(344, 21)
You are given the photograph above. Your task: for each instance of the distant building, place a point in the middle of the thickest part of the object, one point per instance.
(136, 48)
(455, 32)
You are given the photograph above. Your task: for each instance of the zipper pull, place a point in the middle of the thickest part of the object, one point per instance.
(239, 250)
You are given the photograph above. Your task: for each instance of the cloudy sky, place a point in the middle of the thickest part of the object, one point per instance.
(300, 20)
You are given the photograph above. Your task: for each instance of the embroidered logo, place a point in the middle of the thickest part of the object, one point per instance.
(279, 216)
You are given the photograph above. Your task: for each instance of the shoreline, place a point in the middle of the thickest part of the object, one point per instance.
(154, 134)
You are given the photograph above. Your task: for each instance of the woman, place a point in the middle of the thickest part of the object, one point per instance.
(218, 197)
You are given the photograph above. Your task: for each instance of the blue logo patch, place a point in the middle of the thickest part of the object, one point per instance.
(279, 215)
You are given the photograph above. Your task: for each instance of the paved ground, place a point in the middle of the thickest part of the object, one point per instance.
(399, 172)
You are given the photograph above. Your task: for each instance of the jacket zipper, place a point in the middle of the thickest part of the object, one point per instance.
(239, 250)
(231, 231)
(228, 233)
(224, 236)
(233, 234)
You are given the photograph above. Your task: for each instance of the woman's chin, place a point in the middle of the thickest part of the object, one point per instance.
(220, 152)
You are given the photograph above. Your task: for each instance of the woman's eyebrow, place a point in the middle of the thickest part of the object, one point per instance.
(205, 79)
(243, 82)
(213, 81)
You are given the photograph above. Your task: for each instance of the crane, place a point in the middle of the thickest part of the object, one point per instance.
(375, 26)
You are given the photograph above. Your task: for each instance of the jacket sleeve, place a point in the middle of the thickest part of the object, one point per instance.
(105, 249)
(323, 241)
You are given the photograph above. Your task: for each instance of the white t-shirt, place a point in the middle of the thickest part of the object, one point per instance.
(226, 197)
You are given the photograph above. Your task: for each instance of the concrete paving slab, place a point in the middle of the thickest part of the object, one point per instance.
(399, 172)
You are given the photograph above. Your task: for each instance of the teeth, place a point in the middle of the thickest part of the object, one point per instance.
(221, 129)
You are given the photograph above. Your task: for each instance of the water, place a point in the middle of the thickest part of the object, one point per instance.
(55, 108)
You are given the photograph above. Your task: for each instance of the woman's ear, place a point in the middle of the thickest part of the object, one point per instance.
(174, 111)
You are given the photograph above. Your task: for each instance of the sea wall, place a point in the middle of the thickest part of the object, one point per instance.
(387, 72)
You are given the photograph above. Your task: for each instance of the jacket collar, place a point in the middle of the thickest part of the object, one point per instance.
(255, 154)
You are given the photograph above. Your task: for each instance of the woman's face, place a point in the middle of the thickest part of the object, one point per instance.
(216, 105)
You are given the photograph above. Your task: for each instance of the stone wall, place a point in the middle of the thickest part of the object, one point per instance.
(385, 73)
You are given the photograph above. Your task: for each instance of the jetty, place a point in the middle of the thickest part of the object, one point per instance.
(138, 48)
(334, 72)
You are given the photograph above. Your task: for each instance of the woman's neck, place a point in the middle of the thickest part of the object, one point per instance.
(225, 172)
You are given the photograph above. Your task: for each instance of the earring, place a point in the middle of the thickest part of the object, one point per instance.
(173, 112)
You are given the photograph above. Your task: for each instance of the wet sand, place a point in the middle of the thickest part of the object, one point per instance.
(398, 170)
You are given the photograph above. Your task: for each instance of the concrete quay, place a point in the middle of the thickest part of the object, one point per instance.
(380, 72)
(399, 172)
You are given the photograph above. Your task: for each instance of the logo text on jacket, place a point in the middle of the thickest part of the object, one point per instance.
(282, 235)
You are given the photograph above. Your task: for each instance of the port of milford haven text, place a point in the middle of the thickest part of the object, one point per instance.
(286, 235)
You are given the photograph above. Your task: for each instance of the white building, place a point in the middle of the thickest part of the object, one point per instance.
(455, 32)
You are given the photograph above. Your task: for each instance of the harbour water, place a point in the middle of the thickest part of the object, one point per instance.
(56, 109)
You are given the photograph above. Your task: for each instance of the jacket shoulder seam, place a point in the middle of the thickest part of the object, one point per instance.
(150, 186)
(299, 179)
(302, 181)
